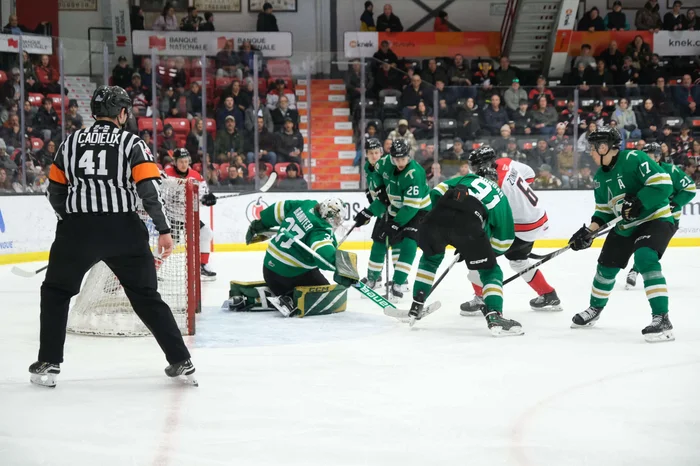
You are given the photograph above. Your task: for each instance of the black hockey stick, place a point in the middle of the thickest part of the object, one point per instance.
(26, 273)
(604, 229)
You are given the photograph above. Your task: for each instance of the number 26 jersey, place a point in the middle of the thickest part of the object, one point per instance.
(529, 215)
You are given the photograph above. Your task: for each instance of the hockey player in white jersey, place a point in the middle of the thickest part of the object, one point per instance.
(530, 220)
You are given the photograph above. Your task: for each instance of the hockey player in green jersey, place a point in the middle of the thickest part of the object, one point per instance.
(472, 214)
(630, 185)
(375, 191)
(683, 193)
(407, 190)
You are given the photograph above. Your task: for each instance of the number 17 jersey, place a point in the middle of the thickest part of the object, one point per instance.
(529, 215)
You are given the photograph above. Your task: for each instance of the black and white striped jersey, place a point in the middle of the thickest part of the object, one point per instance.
(103, 170)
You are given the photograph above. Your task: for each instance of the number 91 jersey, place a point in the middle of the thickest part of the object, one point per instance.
(529, 216)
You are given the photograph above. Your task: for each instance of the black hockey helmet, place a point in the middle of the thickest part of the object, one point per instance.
(605, 134)
(653, 149)
(180, 153)
(399, 148)
(484, 156)
(373, 143)
(108, 101)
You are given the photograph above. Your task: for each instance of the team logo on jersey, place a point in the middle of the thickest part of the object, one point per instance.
(410, 172)
(252, 212)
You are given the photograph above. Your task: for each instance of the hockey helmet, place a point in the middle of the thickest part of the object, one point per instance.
(399, 148)
(483, 157)
(331, 210)
(373, 143)
(108, 101)
(653, 149)
(605, 134)
(180, 153)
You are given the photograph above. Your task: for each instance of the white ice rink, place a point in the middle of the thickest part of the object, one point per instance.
(358, 388)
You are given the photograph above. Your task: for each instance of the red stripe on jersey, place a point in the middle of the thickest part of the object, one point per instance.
(531, 226)
(502, 166)
(529, 180)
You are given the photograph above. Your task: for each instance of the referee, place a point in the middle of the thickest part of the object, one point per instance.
(95, 179)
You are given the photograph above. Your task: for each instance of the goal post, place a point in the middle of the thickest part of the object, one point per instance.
(102, 308)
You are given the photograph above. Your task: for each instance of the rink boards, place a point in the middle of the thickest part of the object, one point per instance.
(28, 224)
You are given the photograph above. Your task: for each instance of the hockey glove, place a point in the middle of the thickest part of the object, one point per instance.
(582, 239)
(631, 207)
(461, 257)
(363, 217)
(256, 227)
(392, 230)
(209, 200)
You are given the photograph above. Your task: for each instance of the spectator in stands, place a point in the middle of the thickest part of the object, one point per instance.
(148, 80)
(457, 152)
(441, 23)
(600, 76)
(246, 54)
(559, 138)
(387, 78)
(13, 27)
(691, 21)
(388, 21)
(612, 57)
(626, 119)
(5, 183)
(436, 176)
(241, 98)
(545, 179)
(468, 123)
(591, 21)
(513, 95)
(195, 142)
(11, 88)
(353, 82)
(5, 160)
(665, 152)
(228, 62)
(292, 182)
(138, 93)
(513, 152)
(280, 90)
(648, 18)
(367, 18)
(228, 143)
(384, 54)
(422, 121)
(501, 143)
(208, 24)
(522, 118)
(433, 73)
(667, 137)
(674, 19)
(541, 90)
(459, 78)
(584, 179)
(267, 143)
(616, 20)
(485, 79)
(194, 100)
(577, 78)
(192, 21)
(687, 97)
(640, 52)
(565, 163)
(46, 155)
(662, 97)
(267, 22)
(170, 103)
(413, 94)
(582, 145)
(179, 75)
(166, 140)
(541, 154)
(585, 57)
(684, 143)
(282, 113)
(47, 76)
(290, 144)
(649, 120)
(146, 136)
(494, 116)
(251, 118)
(695, 151)
(387, 145)
(167, 21)
(132, 124)
(45, 121)
(229, 109)
(234, 178)
(29, 111)
(544, 118)
(31, 82)
(11, 133)
(402, 132)
(628, 76)
(136, 18)
(74, 121)
(506, 74)
(652, 71)
(240, 163)
(122, 73)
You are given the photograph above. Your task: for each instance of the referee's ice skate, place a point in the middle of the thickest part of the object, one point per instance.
(183, 370)
(44, 374)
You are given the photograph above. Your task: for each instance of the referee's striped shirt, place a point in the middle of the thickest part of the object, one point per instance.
(102, 170)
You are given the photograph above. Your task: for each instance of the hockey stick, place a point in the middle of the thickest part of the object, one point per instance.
(604, 229)
(26, 273)
(359, 286)
(263, 189)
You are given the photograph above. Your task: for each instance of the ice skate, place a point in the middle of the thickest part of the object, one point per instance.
(284, 304)
(474, 307)
(586, 318)
(206, 273)
(631, 279)
(236, 303)
(501, 327)
(546, 302)
(659, 330)
(396, 292)
(405, 288)
(183, 368)
(371, 284)
(416, 311)
(44, 374)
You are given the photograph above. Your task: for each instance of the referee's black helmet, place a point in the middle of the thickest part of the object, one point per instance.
(108, 101)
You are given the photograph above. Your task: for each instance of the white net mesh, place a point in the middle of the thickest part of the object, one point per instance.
(102, 308)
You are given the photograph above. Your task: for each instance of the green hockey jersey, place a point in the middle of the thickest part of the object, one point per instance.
(683, 188)
(284, 256)
(500, 226)
(374, 179)
(637, 174)
(407, 190)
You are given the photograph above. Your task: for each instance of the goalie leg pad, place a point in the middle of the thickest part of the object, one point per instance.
(320, 300)
(205, 237)
(249, 297)
(346, 267)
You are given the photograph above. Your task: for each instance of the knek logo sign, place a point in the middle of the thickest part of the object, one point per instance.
(2, 223)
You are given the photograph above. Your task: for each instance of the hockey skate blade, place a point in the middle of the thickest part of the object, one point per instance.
(557, 308)
(403, 314)
(588, 325)
(498, 332)
(471, 313)
(204, 278)
(43, 380)
(277, 304)
(660, 337)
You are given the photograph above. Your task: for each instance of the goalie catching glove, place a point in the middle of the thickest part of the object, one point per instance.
(254, 229)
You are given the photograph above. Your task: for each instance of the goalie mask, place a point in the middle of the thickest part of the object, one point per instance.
(331, 210)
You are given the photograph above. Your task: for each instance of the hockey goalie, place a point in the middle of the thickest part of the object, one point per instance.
(181, 169)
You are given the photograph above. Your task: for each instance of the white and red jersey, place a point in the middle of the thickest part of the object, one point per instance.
(193, 174)
(530, 218)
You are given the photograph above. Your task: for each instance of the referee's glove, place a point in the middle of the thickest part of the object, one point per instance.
(209, 200)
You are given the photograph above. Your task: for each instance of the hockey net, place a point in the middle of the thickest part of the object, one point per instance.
(102, 308)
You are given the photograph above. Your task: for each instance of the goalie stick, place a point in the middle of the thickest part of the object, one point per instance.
(263, 189)
(359, 286)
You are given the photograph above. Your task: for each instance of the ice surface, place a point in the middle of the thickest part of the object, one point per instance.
(358, 388)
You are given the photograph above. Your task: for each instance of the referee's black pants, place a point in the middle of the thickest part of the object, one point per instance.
(121, 242)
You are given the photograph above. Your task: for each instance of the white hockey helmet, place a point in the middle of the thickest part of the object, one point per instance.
(331, 210)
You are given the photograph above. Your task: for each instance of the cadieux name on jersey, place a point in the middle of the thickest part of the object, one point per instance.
(99, 138)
